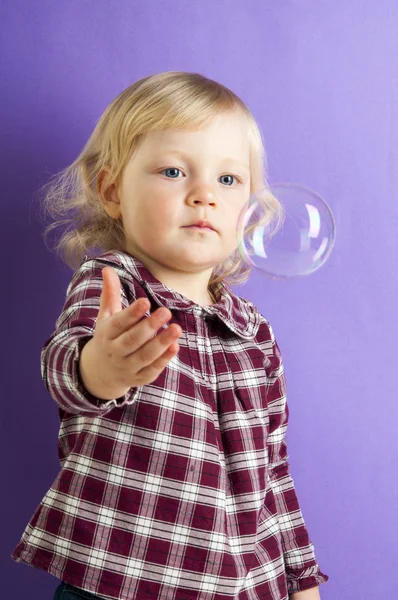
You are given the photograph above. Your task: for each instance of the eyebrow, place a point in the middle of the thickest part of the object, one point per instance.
(225, 159)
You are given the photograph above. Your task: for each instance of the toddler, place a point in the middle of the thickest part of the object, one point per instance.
(174, 480)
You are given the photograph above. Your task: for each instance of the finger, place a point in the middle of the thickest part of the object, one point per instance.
(151, 371)
(152, 351)
(136, 334)
(110, 301)
(124, 321)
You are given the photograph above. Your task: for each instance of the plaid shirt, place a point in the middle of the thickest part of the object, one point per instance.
(179, 490)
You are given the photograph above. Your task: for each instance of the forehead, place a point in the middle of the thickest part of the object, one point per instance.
(226, 133)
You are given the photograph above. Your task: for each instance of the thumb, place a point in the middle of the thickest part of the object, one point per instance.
(110, 302)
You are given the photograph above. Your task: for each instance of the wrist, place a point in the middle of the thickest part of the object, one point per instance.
(309, 594)
(93, 376)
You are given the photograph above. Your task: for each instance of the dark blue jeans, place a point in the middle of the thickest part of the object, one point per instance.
(66, 591)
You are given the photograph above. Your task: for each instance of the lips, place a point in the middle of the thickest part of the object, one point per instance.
(202, 225)
(199, 227)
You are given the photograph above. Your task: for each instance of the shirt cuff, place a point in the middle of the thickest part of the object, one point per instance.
(305, 579)
(84, 396)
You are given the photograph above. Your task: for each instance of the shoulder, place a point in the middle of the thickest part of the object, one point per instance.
(89, 274)
(264, 339)
(265, 331)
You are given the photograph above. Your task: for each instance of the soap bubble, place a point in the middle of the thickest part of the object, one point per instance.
(300, 245)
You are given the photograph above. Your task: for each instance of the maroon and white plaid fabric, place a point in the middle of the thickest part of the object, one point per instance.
(181, 489)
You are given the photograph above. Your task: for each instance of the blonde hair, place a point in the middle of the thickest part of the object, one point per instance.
(162, 101)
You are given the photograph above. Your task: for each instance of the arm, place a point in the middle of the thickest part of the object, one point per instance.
(310, 594)
(302, 570)
(61, 353)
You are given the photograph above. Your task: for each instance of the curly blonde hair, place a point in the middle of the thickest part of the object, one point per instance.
(168, 100)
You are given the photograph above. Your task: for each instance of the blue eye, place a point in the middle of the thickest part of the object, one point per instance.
(179, 170)
(228, 176)
(171, 169)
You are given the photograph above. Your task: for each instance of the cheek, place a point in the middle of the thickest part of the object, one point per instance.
(148, 207)
(150, 220)
(233, 217)
(233, 224)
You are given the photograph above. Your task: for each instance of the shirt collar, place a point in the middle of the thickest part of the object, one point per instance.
(238, 314)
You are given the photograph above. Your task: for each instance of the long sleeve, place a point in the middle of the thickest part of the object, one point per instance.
(74, 327)
(302, 570)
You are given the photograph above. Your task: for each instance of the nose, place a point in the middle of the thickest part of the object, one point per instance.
(203, 195)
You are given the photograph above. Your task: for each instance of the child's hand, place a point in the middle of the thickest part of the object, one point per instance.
(124, 351)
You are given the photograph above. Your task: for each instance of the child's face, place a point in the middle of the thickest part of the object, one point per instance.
(176, 178)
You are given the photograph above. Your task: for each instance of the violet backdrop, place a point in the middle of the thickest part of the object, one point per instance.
(321, 78)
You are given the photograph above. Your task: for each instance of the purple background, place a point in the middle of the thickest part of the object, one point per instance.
(321, 77)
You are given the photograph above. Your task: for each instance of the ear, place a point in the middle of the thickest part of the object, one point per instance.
(108, 195)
